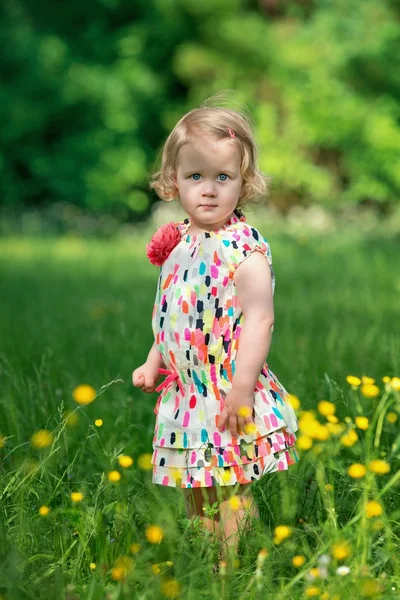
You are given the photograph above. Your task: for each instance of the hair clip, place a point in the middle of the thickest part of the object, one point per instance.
(231, 132)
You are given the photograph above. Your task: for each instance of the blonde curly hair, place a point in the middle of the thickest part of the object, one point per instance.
(214, 121)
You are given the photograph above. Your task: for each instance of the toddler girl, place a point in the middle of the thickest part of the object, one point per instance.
(223, 420)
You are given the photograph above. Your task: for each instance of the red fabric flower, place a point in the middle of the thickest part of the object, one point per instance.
(162, 243)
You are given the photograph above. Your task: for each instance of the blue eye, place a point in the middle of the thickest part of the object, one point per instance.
(225, 176)
(195, 175)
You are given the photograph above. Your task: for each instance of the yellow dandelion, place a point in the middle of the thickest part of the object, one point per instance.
(294, 401)
(298, 560)
(391, 417)
(134, 548)
(154, 534)
(92, 566)
(171, 588)
(380, 467)
(42, 439)
(367, 380)
(332, 419)
(144, 462)
(341, 550)
(113, 476)
(314, 572)
(311, 592)
(336, 428)
(378, 525)
(328, 487)
(244, 411)
(156, 569)
(353, 381)
(362, 423)
(71, 418)
(44, 510)
(386, 379)
(357, 471)
(250, 428)
(369, 390)
(122, 567)
(282, 532)
(371, 589)
(98, 422)
(76, 496)
(326, 408)
(395, 384)
(373, 509)
(349, 439)
(125, 461)
(235, 502)
(304, 442)
(84, 394)
(261, 557)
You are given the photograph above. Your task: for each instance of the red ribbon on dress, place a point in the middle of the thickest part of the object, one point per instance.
(172, 375)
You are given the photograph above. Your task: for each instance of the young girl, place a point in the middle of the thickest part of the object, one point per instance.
(223, 420)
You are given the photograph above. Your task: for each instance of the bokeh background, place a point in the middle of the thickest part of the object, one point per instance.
(90, 90)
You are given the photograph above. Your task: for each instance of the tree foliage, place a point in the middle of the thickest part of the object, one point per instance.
(90, 90)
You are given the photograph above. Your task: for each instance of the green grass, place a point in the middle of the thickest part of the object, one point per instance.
(78, 311)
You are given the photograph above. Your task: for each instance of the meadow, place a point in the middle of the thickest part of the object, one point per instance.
(79, 516)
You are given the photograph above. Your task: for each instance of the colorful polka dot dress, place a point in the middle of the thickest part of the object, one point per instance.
(197, 320)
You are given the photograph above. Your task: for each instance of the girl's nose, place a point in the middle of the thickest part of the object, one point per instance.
(208, 189)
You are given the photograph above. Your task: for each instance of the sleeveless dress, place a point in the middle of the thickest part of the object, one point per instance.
(196, 322)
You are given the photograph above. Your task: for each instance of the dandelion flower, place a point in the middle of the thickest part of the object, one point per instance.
(244, 411)
(294, 401)
(171, 588)
(353, 381)
(304, 442)
(343, 570)
(125, 461)
(134, 548)
(298, 560)
(369, 390)
(144, 462)
(122, 567)
(84, 394)
(341, 550)
(391, 417)
(349, 439)
(250, 428)
(44, 510)
(156, 569)
(76, 497)
(367, 380)
(380, 467)
(42, 439)
(362, 422)
(71, 418)
(281, 533)
(235, 502)
(261, 557)
(356, 470)
(311, 592)
(373, 509)
(328, 487)
(154, 534)
(332, 419)
(395, 384)
(92, 566)
(98, 422)
(326, 408)
(114, 476)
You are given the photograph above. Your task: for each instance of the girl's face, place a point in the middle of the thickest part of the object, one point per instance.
(209, 181)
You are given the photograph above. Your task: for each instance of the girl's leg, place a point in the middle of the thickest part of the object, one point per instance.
(195, 499)
(234, 520)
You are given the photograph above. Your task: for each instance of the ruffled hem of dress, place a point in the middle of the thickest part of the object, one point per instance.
(208, 455)
(225, 476)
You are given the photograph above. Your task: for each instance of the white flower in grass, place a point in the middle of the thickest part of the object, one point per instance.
(342, 570)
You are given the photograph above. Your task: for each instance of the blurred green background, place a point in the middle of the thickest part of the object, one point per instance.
(90, 90)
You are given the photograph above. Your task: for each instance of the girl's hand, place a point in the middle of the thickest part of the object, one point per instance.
(237, 412)
(145, 377)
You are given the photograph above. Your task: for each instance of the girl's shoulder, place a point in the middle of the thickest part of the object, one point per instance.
(239, 240)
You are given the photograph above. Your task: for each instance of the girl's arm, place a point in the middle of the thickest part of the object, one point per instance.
(254, 289)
